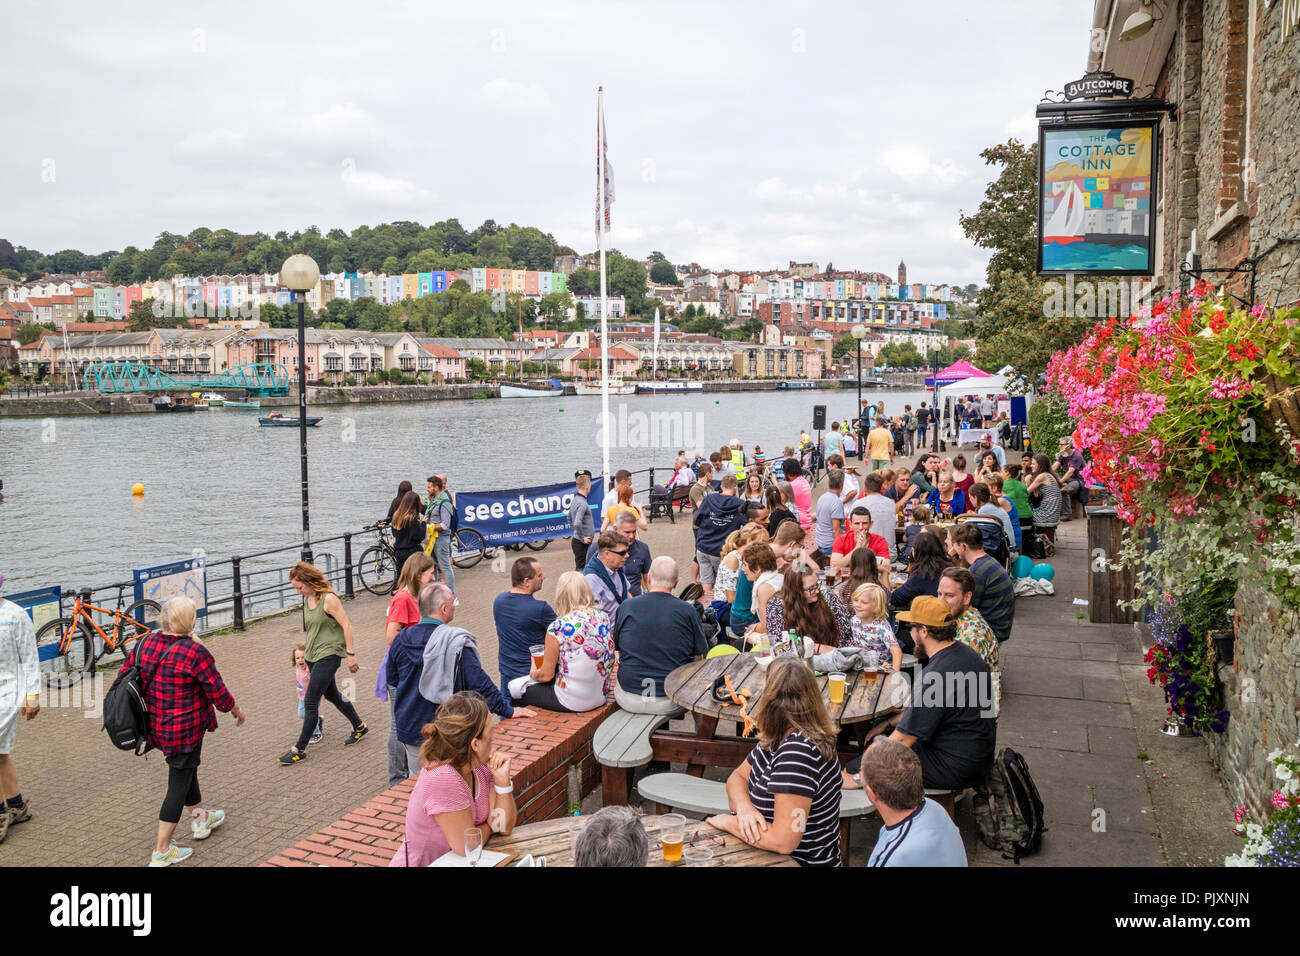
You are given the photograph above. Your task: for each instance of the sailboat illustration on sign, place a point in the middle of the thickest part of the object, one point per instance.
(1066, 224)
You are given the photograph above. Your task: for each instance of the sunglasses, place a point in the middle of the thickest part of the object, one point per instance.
(621, 554)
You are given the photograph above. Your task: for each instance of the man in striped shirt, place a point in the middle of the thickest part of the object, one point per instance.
(917, 831)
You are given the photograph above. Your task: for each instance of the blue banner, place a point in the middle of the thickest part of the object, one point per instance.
(165, 581)
(517, 515)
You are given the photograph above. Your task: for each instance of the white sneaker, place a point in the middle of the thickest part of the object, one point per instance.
(203, 830)
(174, 854)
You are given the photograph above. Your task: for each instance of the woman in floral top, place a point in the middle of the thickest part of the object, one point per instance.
(577, 670)
(803, 608)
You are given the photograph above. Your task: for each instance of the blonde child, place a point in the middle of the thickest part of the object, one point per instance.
(302, 675)
(920, 517)
(870, 625)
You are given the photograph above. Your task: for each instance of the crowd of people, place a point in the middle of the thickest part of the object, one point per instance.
(765, 559)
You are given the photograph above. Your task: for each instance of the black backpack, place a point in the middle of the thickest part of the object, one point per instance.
(126, 716)
(1008, 809)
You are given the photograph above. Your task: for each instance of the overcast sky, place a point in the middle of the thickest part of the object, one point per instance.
(742, 135)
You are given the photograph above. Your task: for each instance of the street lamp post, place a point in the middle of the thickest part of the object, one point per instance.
(859, 332)
(934, 412)
(299, 274)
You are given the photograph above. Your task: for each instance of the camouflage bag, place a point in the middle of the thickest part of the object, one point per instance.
(1008, 809)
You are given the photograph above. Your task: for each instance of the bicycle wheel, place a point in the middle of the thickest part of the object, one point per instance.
(377, 569)
(467, 548)
(63, 663)
(143, 618)
(537, 545)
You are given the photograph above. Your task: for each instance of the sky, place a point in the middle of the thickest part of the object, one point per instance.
(742, 135)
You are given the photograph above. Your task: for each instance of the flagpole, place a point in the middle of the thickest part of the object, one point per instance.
(654, 362)
(604, 305)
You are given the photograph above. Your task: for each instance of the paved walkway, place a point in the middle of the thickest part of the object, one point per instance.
(1066, 707)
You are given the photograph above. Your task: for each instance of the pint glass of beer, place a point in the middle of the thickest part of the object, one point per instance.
(672, 831)
(538, 652)
(835, 684)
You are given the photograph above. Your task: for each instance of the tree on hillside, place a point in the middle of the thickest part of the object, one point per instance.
(585, 282)
(844, 345)
(29, 332)
(664, 274)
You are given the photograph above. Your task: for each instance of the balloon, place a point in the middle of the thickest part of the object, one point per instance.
(1043, 572)
(1023, 565)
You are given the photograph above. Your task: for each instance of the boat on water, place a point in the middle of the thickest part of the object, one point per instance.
(531, 390)
(213, 399)
(795, 385)
(671, 386)
(252, 403)
(165, 403)
(616, 387)
(867, 382)
(276, 420)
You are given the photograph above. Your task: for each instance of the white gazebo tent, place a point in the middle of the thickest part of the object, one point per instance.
(978, 386)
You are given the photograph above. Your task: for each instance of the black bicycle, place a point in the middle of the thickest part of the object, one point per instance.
(377, 567)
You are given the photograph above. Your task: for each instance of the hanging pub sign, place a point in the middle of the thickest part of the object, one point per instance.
(1097, 193)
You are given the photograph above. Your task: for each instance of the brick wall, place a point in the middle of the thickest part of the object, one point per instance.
(541, 749)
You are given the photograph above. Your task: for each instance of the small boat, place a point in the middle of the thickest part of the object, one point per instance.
(530, 390)
(199, 401)
(276, 420)
(616, 387)
(1066, 223)
(214, 399)
(253, 403)
(165, 403)
(795, 385)
(671, 385)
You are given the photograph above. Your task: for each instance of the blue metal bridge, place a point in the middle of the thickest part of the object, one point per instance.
(257, 378)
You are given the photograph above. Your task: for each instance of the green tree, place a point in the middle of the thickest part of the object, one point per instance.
(476, 369)
(664, 274)
(584, 282)
(844, 345)
(29, 332)
(142, 318)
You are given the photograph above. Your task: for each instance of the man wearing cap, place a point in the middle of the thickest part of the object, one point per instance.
(950, 720)
(580, 520)
(20, 676)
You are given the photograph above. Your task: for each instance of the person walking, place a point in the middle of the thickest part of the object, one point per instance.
(329, 643)
(182, 692)
(923, 417)
(20, 683)
(880, 442)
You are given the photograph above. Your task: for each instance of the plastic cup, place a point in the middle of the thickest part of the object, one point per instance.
(697, 856)
(538, 652)
(672, 831)
(835, 684)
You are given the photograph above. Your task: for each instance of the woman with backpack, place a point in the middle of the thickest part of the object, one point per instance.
(441, 517)
(182, 690)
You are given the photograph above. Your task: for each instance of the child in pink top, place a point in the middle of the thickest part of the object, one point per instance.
(302, 676)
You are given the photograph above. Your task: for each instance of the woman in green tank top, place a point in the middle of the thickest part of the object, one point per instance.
(329, 643)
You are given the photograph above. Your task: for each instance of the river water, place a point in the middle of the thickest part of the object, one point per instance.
(216, 482)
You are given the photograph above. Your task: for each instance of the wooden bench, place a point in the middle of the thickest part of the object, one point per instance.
(696, 795)
(621, 744)
(661, 505)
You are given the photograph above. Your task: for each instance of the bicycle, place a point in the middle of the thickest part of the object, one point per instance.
(377, 567)
(66, 646)
(468, 548)
(530, 545)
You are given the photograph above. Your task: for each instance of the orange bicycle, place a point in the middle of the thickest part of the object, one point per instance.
(66, 646)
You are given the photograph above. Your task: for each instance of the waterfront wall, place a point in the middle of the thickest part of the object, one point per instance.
(1262, 693)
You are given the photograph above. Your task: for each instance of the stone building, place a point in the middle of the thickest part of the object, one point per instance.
(1230, 176)
(1229, 165)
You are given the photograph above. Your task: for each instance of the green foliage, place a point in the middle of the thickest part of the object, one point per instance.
(664, 274)
(476, 369)
(897, 354)
(844, 345)
(142, 318)
(1049, 422)
(29, 332)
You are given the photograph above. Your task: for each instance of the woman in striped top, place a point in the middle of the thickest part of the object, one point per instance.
(785, 797)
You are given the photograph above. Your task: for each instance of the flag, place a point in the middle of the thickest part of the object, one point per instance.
(604, 171)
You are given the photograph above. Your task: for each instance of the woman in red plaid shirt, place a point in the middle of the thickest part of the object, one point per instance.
(183, 691)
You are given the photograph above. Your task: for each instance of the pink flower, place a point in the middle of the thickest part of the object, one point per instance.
(1240, 813)
(1281, 800)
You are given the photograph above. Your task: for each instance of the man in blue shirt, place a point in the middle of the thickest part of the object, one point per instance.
(521, 621)
(917, 831)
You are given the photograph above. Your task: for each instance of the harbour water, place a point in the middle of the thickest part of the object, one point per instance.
(216, 482)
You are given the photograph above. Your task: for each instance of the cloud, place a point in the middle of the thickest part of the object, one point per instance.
(913, 164)
(372, 185)
(219, 144)
(508, 96)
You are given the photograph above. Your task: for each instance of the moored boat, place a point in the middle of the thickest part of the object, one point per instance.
(252, 403)
(616, 387)
(795, 385)
(530, 390)
(214, 399)
(671, 385)
(165, 403)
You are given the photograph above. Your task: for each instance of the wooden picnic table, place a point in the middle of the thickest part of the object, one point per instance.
(551, 839)
(866, 704)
